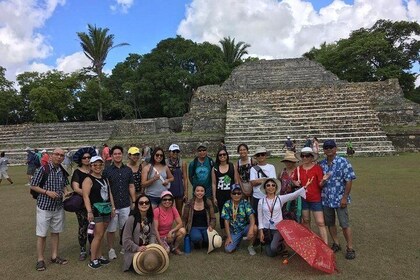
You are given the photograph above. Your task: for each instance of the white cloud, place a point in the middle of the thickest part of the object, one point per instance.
(289, 28)
(122, 5)
(20, 43)
(72, 62)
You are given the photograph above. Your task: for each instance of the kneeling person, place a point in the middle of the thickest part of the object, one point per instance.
(239, 221)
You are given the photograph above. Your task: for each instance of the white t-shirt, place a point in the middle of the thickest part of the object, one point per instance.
(268, 170)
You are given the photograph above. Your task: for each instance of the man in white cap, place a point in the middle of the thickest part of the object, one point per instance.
(258, 174)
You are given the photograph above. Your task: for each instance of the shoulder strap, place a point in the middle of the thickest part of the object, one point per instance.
(45, 172)
(260, 171)
(149, 173)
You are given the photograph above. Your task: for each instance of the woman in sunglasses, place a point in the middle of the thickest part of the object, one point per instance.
(224, 175)
(270, 214)
(310, 171)
(164, 217)
(82, 157)
(156, 176)
(138, 230)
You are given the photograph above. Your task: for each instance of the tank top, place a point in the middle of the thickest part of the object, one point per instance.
(99, 191)
(225, 180)
(244, 170)
(155, 189)
(199, 218)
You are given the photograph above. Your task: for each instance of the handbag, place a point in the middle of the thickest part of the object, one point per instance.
(103, 208)
(246, 188)
(268, 237)
(73, 202)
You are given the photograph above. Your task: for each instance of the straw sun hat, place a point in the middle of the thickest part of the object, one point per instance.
(154, 260)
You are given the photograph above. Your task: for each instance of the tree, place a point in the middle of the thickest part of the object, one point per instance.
(232, 52)
(9, 100)
(96, 45)
(386, 50)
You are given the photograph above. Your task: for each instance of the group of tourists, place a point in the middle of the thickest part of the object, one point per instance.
(146, 203)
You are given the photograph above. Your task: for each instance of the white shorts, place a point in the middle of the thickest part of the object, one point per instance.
(52, 220)
(4, 175)
(121, 216)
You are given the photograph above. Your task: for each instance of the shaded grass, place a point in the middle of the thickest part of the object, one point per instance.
(384, 217)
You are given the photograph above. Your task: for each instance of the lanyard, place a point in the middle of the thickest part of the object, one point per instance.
(272, 208)
(234, 211)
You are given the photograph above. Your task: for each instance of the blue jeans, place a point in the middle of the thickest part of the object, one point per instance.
(199, 234)
(236, 239)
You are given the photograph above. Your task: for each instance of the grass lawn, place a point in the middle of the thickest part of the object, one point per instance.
(384, 216)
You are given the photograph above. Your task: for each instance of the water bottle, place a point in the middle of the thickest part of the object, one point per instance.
(187, 244)
(91, 228)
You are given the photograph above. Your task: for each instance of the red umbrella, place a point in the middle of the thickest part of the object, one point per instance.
(308, 245)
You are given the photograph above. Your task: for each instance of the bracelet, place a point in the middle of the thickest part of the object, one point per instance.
(89, 212)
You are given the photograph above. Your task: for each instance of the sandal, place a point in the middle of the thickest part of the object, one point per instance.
(59, 260)
(177, 252)
(40, 266)
(284, 254)
(350, 254)
(335, 247)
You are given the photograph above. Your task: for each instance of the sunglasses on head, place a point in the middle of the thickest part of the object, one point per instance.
(144, 202)
(261, 154)
(306, 155)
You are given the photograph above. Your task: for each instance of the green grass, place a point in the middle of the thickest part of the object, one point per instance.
(384, 216)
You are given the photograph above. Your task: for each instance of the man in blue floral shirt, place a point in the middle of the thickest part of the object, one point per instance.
(239, 221)
(336, 195)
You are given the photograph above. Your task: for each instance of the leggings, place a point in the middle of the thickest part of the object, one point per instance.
(83, 225)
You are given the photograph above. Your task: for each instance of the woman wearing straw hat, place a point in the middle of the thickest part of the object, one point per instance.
(310, 171)
(198, 217)
(82, 158)
(138, 230)
(164, 217)
(270, 214)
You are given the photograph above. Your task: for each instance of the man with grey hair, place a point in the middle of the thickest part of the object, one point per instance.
(50, 182)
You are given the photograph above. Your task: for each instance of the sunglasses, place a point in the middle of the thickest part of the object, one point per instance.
(237, 193)
(270, 185)
(329, 148)
(202, 150)
(159, 155)
(97, 164)
(86, 157)
(261, 154)
(167, 199)
(306, 155)
(58, 154)
(144, 202)
(176, 151)
(222, 155)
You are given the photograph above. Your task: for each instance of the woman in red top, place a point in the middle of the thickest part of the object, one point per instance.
(310, 171)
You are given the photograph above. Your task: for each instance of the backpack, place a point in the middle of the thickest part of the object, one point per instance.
(46, 171)
(36, 160)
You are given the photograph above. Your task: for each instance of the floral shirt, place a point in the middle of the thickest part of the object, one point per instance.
(239, 218)
(333, 190)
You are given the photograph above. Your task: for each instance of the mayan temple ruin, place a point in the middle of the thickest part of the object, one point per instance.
(260, 104)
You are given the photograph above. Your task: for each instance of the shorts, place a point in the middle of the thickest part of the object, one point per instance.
(154, 200)
(102, 219)
(312, 206)
(342, 214)
(31, 170)
(236, 239)
(121, 216)
(52, 220)
(4, 175)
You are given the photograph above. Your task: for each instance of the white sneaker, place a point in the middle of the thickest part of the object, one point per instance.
(251, 250)
(122, 251)
(27, 184)
(111, 254)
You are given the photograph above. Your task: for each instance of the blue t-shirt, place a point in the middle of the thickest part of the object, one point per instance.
(333, 190)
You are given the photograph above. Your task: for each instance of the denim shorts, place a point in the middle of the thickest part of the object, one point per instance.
(313, 206)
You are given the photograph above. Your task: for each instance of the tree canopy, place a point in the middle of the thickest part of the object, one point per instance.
(386, 50)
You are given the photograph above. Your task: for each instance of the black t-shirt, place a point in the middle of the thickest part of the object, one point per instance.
(199, 218)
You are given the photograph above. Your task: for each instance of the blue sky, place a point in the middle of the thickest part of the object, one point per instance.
(39, 35)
